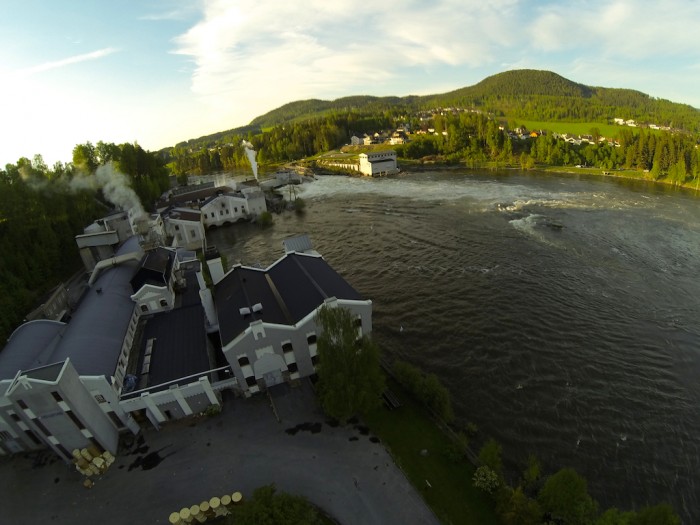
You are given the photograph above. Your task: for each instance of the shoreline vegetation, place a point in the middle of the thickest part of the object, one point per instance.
(462, 487)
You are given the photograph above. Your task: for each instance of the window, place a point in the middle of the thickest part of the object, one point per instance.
(64, 451)
(75, 420)
(33, 437)
(314, 360)
(57, 397)
(41, 426)
(221, 212)
(311, 339)
(213, 215)
(22, 404)
(235, 209)
(287, 348)
(193, 234)
(250, 381)
(358, 322)
(4, 436)
(292, 367)
(243, 360)
(163, 302)
(117, 422)
(100, 398)
(14, 417)
(144, 308)
(177, 227)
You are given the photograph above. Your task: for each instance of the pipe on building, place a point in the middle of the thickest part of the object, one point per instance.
(114, 261)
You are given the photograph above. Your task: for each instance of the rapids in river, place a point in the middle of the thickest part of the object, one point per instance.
(562, 312)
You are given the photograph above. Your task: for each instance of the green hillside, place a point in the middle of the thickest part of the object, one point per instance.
(520, 94)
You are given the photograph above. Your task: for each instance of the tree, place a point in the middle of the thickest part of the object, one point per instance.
(532, 472)
(350, 379)
(521, 510)
(267, 507)
(662, 514)
(490, 455)
(614, 516)
(486, 479)
(565, 496)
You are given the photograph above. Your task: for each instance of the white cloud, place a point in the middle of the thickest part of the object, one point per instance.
(268, 53)
(56, 64)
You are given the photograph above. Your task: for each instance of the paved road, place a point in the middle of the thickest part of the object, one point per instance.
(341, 469)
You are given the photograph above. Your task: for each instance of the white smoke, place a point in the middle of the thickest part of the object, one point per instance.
(250, 153)
(115, 187)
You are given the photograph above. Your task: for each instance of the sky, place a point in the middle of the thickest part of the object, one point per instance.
(159, 72)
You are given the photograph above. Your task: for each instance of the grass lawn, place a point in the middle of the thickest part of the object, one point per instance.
(578, 128)
(406, 431)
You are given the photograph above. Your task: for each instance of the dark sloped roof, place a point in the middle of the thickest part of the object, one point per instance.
(180, 346)
(155, 269)
(288, 290)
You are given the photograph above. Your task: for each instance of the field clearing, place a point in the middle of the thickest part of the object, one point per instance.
(577, 128)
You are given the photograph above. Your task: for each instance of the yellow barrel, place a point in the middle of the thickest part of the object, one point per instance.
(185, 515)
(84, 452)
(197, 514)
(174, 518)
(236, 498)
(76, 453)
(226, 500)
(94, 451)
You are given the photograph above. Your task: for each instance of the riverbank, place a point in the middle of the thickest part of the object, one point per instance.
(415, 166)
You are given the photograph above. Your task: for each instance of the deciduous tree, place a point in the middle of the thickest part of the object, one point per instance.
(349, 372)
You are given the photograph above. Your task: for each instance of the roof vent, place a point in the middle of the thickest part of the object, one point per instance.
(257, 307)
(244, 311)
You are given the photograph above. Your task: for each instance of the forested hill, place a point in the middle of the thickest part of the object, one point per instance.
(521, 94)
(545, 96)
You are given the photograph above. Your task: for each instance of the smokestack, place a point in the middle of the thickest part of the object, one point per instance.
(250, 153)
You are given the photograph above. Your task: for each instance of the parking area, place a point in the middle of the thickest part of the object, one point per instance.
(344, 470)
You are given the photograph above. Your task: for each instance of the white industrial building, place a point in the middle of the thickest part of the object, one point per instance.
(137, 349)
(267, 317)
(377, 163)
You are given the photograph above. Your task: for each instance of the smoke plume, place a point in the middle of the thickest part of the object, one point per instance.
(250, 153)
(114, 185)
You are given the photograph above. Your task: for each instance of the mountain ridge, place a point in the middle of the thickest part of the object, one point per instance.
(524, 94)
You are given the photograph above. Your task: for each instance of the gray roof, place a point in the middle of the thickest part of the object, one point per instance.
(93, 337)
(288, 291)
(298, 243)
(29, 346)
(180, 346)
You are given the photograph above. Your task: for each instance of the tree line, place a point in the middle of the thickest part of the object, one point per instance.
(42, 210)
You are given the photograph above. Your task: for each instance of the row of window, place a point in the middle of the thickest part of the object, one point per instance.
(286, 348)
(163, 303)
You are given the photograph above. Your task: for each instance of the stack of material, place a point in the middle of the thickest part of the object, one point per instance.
(207, 510)
(91, 461)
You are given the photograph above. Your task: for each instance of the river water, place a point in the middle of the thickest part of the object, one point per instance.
(562, 312)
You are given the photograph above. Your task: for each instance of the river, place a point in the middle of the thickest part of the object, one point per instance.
(560, 311)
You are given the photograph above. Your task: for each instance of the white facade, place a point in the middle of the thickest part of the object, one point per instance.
(186, 228)
(228, 208)
(266, 354)
(378, 163)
